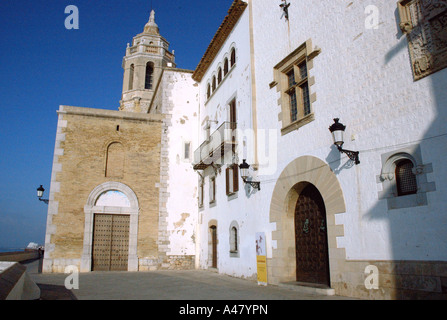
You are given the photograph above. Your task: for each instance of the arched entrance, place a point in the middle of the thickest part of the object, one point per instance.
(212, 244)
(292, 182)
(213, 231)
(110, 250)
(311, 248)
(111, 229)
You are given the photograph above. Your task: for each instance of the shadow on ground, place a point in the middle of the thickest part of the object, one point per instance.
(54, 292)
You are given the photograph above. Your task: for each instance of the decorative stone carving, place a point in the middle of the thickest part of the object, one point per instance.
(425, 24)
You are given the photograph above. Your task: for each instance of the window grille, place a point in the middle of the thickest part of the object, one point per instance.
(405, 178)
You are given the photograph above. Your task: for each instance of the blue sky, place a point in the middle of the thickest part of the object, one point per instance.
(44, 65)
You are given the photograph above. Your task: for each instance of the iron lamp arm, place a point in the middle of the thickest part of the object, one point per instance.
(353, 155)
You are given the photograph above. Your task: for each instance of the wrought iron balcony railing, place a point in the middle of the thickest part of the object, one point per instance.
(212, 150)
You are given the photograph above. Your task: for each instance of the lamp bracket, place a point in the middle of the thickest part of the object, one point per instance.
(353, 155)
(253, 184)
(44, 200)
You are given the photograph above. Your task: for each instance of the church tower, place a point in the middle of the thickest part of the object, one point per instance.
(143, 68)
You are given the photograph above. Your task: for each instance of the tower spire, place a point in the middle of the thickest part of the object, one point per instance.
(143, 65)
(151, 27)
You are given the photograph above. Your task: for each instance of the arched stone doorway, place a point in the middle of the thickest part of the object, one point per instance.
(296, 176)
(212, 244)
(109, 202)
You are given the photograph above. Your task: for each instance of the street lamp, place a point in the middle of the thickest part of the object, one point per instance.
(337, 129)
(244, 167)
(40, 192)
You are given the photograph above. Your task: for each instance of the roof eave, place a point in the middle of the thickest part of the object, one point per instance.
(234, 13)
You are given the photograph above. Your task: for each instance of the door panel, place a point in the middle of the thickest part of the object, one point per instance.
(120, 243)
(102, 237)
(214, 246)
(110, 242)
(312, 259)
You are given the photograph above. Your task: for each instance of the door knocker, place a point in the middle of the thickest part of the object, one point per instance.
(322, 226)
(306, 226)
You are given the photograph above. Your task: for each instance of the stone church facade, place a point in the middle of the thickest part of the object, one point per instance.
(266, 91)
(110, 192)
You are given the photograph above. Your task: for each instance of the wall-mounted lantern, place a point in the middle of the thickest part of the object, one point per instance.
(40, 192)
(244, 168)
(337, 129)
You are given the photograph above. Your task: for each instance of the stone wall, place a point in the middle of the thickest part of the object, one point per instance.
(397, 280)
(80, 162)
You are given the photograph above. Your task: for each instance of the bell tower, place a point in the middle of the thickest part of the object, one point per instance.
(143, 66)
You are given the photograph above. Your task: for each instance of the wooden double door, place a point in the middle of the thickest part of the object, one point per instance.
(110, 242)
(312, 258)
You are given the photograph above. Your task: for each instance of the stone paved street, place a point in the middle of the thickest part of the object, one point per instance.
(163, 285)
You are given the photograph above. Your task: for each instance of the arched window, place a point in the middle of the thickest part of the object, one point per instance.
(214, 83)
(208, 91)
(233, 57)
(115, 160)
(149, 76)
(225, 67)
(131, 72)
(212, 246)
(405, 179)
(233, 240)
(219, 76)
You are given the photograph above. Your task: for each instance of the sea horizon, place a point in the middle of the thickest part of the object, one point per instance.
(11, 249)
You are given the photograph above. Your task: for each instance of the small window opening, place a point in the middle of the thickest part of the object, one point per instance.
(405, 178)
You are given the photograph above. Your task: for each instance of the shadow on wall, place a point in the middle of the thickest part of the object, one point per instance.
(416, 222)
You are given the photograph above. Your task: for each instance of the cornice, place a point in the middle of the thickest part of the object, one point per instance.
(234, 13)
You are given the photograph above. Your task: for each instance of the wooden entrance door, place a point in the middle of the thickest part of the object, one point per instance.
(312, 259)
(110, 242)
(214, 246)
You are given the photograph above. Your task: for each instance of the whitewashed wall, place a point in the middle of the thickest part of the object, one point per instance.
(363, 76)
(180, 101)
(236, 208)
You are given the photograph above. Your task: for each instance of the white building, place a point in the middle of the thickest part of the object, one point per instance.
(273, 80)
(373, 229)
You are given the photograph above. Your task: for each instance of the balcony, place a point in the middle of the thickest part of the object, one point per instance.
(212, 150)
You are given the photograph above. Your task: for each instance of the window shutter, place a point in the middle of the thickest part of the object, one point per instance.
(232, 179)
(235, 178)
(227, 180)
(212, 189)
(200, 193)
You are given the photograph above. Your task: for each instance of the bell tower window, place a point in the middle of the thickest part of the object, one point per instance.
(131, 72)
(149, 76)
